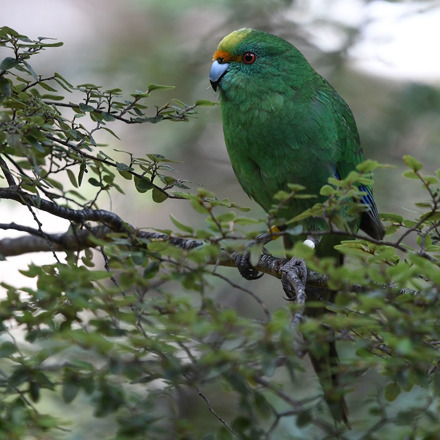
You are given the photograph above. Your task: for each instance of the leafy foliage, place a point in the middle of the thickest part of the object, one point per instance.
(144, 343)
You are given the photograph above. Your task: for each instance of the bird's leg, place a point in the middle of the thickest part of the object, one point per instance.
(312, 241)
(293, 279)
(242, 260)
(244, 266)
(294, 275)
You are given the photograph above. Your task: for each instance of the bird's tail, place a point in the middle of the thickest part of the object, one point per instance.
(326, 366)
(325, 361)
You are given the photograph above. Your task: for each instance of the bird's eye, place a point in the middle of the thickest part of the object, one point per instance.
(249, 57)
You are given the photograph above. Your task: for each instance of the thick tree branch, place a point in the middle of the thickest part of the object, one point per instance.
(77, 240)
(80, 238)
(79, 216)
(36, 242)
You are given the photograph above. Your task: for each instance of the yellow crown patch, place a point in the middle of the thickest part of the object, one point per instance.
(231, 40)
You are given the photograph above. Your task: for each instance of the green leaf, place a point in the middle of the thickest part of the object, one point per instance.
(86, 108)
(246, 221)
(9, 31)
(108, 399)
(281, 195)
(424, 205)
(151, 270)
(152, 87)
(72, 178)
(122, 167)
(159, 196)
(143, 185)
(412, 163)
(180, 225)
(31, 70)
(5, 88)
(426, 267)
(404, 346)
(63, 82)
(303, 419)
(226, 217)
(70, 389)
(327, 191)
(115, 91)
(82, 170)
(58, 44)
(205, 102)
(94, 182)
(88, 86)
(392, 391)
(34, 391)
(198, 205)
(262, 406)
(7, 348)
(367, 166)
(46, 86)
(138, 94)
(436, 382)
(96, 116)
(52, 97)
(110, 131)
(19, 376)
(409, 223)
(55, 183)
(8, 63)
(410, 174)
(126, 175)
(108, 117)
(430, 180)
(34, 92)
(295, 187)
(387, 216)
(156, 157)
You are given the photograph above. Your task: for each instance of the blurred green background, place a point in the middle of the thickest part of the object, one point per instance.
(380, 56)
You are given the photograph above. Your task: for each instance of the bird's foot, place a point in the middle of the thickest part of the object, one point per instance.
(293, 279)
(243, 260)
(244, 266)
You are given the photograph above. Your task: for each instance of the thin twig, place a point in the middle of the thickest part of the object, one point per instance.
(43, 234)
(9, 177)
(215, 414)
(263, 305)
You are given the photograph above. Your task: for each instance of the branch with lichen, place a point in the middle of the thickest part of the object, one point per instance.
(83, 236)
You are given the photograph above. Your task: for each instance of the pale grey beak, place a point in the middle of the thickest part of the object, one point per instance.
(218, 70)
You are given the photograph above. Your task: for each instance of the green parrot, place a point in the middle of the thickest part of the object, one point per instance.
(284, 123)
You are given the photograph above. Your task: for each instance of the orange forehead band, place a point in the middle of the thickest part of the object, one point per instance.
(226, 56)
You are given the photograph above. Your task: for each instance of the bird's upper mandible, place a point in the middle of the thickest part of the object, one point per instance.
(218, 70)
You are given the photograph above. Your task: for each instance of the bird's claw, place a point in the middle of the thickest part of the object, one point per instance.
(244, 266)
(293, 279)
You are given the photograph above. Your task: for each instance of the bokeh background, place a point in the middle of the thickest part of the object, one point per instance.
(381, 56)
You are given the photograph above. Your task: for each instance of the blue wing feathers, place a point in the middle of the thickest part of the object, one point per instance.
(370, 220)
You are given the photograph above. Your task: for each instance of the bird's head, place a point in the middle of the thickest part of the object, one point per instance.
(251, 59)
